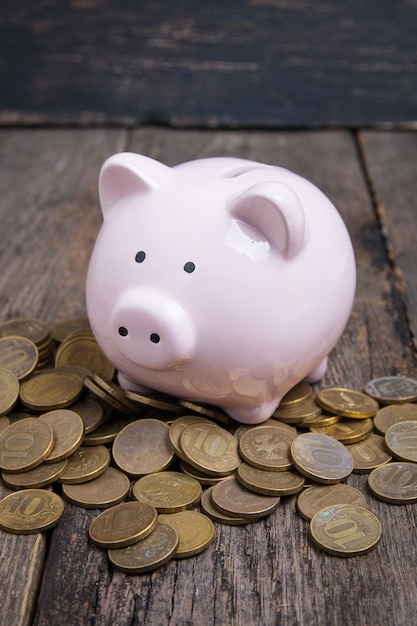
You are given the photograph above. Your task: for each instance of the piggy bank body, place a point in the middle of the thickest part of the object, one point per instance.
(220, 280)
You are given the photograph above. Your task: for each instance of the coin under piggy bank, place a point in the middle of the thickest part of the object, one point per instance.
(221, 280)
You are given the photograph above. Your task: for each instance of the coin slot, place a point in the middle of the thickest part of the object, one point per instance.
(123, 331)
(155, 338)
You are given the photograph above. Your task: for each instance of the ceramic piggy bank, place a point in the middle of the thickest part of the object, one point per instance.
(220, 280)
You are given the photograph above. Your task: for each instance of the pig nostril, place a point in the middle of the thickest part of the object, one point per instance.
(122, 331)
(155, 338)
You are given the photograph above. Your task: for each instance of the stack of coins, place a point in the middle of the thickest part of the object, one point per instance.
(164, 470)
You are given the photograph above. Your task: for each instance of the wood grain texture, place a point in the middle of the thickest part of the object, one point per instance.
(267, 572)
(256, 63)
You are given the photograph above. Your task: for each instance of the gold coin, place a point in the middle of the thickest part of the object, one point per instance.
(148, 554)
(300, 393)
(269, 483)
(267, 447)
(401, 440)
(123, 524)
(157, 401)
(19, 355)
(143, 447)
(369, 454)
(239, 429)
(68, 430)
(235, 500)
(90, 411)
(392, 389)
(321, 458)
(108, 489)
(213, 512)
(210, 449)
(85, 464)
(345, 530)
(4, 423)
(347, 403)
(168, 492)
(33, 329)
(207, 411)
(84, 351)
(320, 421)
(117, 393)
(395, 483)
(30, 511)
(296, 413)
(25, 444)
(347, 430)
(203, 479)
(61, 330)
(313, 499)
(36, 478)
(50, 390)
(177, 428)
(9, 390)
(110, 398)
(106, 433)
(195, 531)
(391, 414)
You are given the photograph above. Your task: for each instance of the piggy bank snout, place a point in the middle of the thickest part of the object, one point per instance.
(152, 330)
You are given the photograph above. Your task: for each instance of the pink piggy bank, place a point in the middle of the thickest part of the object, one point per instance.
(220, 280)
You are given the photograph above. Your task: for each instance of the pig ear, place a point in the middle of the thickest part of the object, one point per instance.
(276, 212)
(126, 173)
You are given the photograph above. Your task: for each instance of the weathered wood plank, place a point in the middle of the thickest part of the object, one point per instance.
(257, 63)
(268, 572)
(391, 159)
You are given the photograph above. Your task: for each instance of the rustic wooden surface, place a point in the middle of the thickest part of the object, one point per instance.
(253, 63)
(267, 572)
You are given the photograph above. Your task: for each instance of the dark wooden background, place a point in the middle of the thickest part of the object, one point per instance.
(228, 63)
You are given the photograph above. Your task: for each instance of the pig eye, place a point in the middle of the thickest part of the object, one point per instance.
(140, 256)
(189, 267)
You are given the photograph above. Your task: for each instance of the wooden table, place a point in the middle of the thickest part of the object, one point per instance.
(268, 572)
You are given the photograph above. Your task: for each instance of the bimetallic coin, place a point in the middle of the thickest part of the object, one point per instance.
(85, 464)
(177, 428)
(347, 430)
(30, 511)
(235, 500)
(210, 449)
(51, 390)
(392, 389)
(123, 524)
(401, 440)
(84, 351)
(369, 454)
(313, 499)
(143, 447)
(148, 554)
(36, 478)
(168, 492)
(9, 390)
(216, 515)
(269, 483)
(345, 530)
(391, 414)
(19, 355)
(300, 393)
(108, 489)
(106, 433)
(68, 430)
(25, 444)
(395, 483)
(347, 403)
(195, 531)
(321, 458)
(267, 447)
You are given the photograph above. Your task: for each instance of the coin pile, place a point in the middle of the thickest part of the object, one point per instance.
(162, 470)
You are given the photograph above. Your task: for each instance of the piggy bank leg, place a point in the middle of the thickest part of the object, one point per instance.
(130, 385)
(318, 372)
(253, 415)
